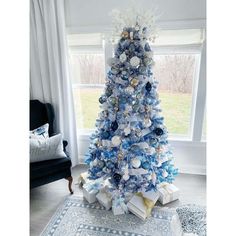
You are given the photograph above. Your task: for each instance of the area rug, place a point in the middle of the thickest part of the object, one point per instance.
(193, 219)
(75, 217)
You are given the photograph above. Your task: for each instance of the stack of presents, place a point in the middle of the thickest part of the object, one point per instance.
(140, 204)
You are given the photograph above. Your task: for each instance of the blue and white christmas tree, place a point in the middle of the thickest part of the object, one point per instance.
(130, 145)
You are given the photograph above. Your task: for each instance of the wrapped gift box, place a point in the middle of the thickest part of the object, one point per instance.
(83, 178)
(90, 190)
(118, 206)
(141, 204)
(168, 222)
(168, 193)
(104, 198)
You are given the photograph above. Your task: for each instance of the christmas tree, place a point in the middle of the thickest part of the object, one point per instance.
(130, 145)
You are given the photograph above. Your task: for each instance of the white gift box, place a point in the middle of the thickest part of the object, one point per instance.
(168, 193)
(119, 207)
(90, 190)
(104, 198)
(138, 206)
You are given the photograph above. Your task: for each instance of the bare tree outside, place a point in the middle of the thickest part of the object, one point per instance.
(175, 73)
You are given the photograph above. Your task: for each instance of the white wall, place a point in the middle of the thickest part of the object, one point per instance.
(96, 12)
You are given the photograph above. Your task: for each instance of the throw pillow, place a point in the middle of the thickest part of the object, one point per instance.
(40, 132)
(46, 149)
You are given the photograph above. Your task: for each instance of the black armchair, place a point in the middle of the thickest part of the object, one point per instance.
(45, 172)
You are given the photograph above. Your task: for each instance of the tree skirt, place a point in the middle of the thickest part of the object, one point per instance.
(78, 218)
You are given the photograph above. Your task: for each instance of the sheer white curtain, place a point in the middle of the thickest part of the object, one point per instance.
(49, 68)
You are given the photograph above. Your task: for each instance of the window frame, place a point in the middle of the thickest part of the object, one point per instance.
(198, 90)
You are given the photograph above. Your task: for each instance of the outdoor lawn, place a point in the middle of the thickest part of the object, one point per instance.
(176, 109)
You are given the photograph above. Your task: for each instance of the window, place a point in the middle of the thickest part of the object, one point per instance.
(177, 57)
(175, 74)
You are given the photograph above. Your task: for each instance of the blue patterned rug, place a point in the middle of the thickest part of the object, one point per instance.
(75, 217)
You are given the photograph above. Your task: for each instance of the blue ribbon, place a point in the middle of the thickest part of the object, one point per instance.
(93, 186)
(119, 202)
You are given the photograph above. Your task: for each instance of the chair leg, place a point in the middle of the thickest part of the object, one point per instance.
(70, 179)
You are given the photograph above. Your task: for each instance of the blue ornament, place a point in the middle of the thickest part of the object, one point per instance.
(110, 165)
(108, 92)
(148, 87)
(158, 131)
(102, 99)
(117, 178)
(114, 125)
(105, 135)
(101, 164)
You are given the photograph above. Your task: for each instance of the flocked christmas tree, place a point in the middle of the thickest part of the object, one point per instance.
(130, 145)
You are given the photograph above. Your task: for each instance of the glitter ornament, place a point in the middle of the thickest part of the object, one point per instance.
(159, 131)
(129, 90)
(134, 82)
(123, 57)
(134, 61)
(135, 162)
(148, 86)
(127, 131)
(125, 34)
(102, 99)
(116, 141)
(114, 125)
(147, 122)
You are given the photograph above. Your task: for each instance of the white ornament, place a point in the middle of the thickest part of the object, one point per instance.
(123, 57)
(135, 163)
(116, 141)
(164, 173)
(95, 162)
(125, 177)
(129, 89)
(131, 35)
(134, 61)
(127, 131)
(147, 123)
(151, 151)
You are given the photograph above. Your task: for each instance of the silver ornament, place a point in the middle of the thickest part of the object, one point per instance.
(134, 61)
(123, 57)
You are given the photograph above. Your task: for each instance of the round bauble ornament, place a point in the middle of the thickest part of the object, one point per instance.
(125, 34)
(110, 165)
(100, 164)
(116, 140)
(102, 99)
(108, 92)
(147, 61)
(146, 165)
(123, 57)
(114, 125)
(134, 61)
(113, 100)
(105, 135)
(117, 177)
(129, 90)
(134, 82)
(148, 86)
(164, 173)
(158, 131)
(127, 131)
(142, 70)
(147, 122)
(135, 162)
(125, 177)
(114, 71)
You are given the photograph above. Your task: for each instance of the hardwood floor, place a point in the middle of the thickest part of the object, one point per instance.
(45, 200)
